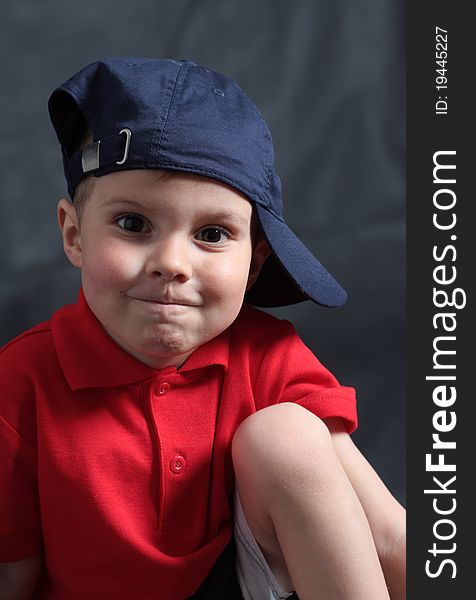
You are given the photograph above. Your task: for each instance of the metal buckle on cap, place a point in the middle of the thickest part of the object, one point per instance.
(90, 154)
(90, 157)
(128, 135)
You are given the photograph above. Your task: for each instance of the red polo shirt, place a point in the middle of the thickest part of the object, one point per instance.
(121, 474)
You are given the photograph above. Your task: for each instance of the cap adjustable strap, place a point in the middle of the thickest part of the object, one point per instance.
(99, 154)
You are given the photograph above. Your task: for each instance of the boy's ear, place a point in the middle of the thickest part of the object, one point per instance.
(261, 251)
(70, 230)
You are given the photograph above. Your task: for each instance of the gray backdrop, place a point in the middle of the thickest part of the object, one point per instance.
(329, 79)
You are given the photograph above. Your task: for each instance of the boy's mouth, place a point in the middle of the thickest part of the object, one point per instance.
(165, 301)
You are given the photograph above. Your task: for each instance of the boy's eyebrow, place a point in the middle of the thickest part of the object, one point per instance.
(222, 215)
(124, 200)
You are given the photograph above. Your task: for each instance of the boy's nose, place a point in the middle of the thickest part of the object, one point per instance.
(169, 258)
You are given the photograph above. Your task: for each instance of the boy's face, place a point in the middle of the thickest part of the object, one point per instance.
(166, 259)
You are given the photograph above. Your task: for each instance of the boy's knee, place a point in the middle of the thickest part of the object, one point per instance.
(281, 444)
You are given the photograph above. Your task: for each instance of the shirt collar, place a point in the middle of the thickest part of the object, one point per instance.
(89, 357)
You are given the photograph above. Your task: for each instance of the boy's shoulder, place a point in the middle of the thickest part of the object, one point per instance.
(266, 342)
(30, 347)
(34, 349)
(27, 342)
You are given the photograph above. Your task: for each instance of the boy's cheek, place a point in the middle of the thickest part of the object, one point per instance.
(227, 281)
(110, 266)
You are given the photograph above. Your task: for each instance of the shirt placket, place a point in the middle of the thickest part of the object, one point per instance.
(159, 392)
(183, 411)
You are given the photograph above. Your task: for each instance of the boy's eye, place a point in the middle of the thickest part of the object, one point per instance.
(213, 235)
(132, 223)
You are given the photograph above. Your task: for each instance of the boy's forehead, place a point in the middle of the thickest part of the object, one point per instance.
(149, 188)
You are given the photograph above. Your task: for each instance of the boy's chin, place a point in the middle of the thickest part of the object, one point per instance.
(171, 351)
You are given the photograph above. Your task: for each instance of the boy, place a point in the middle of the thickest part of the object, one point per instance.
(136, 421)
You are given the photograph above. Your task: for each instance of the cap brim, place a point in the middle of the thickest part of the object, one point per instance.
(292, 274)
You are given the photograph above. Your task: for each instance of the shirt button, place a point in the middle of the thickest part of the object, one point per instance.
(162, 388)
(177, 464)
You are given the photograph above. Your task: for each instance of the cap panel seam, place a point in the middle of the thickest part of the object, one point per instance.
(268, 182)
(266, 133)
(172, 93)
(165, 123)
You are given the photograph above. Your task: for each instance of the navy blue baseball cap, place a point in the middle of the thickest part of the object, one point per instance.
(148, 113)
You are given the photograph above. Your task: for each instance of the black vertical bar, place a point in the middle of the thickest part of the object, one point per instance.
(441, 231)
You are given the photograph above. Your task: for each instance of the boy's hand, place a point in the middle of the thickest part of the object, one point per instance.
(18, 579)
(385, 515)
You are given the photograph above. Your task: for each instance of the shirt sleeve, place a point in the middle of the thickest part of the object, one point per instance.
(290, 372)
(20, 530)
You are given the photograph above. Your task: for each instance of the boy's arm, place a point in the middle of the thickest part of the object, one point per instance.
(385, 515)
(18, 579)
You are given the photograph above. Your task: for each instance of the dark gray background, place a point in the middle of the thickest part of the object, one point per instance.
(329, 79)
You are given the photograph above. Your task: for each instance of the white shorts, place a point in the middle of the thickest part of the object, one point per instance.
(257, 581)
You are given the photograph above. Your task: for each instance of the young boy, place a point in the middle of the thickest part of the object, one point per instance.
(138, 421)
